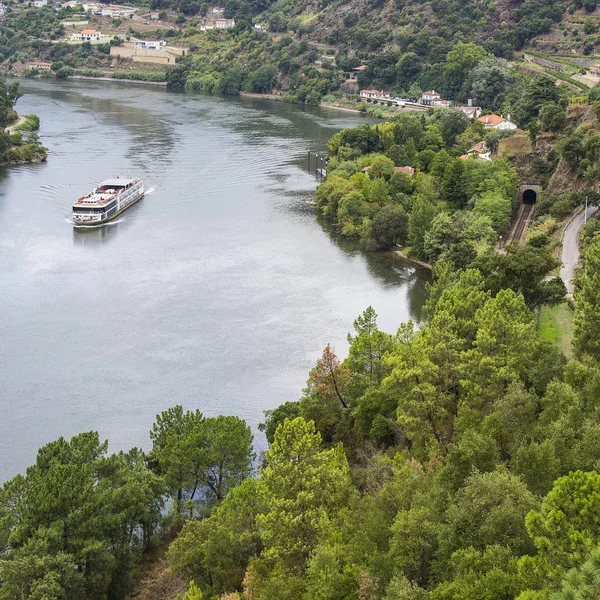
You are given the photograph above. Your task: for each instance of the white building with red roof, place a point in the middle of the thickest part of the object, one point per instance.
(497, 122)
(372, 94)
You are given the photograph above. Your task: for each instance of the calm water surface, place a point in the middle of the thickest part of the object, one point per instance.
(218, 290)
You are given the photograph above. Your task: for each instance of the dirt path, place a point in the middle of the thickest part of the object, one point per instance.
(20, 120)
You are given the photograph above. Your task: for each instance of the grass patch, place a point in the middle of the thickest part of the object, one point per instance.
(516, 144)
(556, 327)
(306, 17)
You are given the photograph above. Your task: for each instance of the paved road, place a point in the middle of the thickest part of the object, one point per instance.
(570, 247)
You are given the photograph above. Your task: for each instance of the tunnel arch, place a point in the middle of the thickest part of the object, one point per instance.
(529, 196)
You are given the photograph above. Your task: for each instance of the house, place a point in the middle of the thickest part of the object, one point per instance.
(409, 170)
(218, 10)
(3, 8)
(371, 94)
(352, 76)
(497, 122)
(442, 103)
(259, 27)
(207, 27)
(39, 65)
(87, 35)
(595, 70)
(148, 45)
(40, 3)
(430, 97)
(146, 51)
(472, 112)
(480, 150)
(224, 23)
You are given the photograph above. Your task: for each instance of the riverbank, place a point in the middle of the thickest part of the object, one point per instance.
(116, 80)
(281, 98)
(86, 77)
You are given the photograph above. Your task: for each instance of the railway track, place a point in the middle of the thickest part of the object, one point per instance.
(524, 218)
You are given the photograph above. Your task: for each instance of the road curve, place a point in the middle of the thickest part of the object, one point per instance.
(570, 247)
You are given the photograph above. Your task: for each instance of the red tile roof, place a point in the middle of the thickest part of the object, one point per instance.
(491, 120)
(408, 170)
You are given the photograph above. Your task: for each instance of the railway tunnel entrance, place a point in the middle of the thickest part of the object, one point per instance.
(529, 193)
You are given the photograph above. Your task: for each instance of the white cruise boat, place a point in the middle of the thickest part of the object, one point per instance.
(108, 200)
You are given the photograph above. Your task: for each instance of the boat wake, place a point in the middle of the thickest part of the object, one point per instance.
(113, 222)
(150, 191)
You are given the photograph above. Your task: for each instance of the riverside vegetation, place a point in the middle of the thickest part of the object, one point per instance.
(304, 49)
(22, 145)
(457, 461)
(454, 461)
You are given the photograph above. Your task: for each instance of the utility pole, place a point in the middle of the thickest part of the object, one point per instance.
(585, 218)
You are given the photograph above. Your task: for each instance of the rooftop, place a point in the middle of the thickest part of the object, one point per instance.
(492, 120)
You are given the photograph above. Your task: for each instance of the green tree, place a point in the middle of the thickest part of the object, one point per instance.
(368, 347)
(581, 583)
(389, 227)
(459, 61)
(526, 270)
(490, 509)
(216, 551)
(419, 224)
(587, 318)
(488, 83)
(553, 117)
(381, 167)
(304, 488)
(565, 529)
(453, 184)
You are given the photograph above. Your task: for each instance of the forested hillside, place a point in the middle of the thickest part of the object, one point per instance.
(454, 460)
(306, 49)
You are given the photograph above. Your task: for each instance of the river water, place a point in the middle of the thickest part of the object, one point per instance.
(218, 290)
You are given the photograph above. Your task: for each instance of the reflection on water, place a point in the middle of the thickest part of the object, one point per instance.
(217, 291)
(103, 233)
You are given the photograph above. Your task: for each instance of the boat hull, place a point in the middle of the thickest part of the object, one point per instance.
(113, 216)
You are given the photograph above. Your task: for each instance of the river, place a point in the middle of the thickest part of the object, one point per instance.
(217, 291)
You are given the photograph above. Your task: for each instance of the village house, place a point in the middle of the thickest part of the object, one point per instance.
(39, 65)
(224, 23)
(259, 27)
(497, 122)
(480, 150)
(148, 45)
(473, 112)
(218, 10)
(373, 94)
(40, 3)
(354, 73)
(430, 97)
(3, 8)
(87, 35)
(147, 51)
(595, 70)
(207, 27)
(409, 170)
